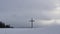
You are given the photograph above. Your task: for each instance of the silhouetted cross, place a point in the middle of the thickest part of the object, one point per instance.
(32, 22)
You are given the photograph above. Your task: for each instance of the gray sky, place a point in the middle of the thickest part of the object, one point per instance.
(18, 12)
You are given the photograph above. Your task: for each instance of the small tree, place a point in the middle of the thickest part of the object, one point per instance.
(7, 26)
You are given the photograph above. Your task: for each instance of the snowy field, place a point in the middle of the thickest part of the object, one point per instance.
(45, 30)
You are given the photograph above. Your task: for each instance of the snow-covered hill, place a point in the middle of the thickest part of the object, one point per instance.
(44, 30)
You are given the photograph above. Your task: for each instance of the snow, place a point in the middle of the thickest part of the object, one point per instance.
(44, 30)
(2, 31)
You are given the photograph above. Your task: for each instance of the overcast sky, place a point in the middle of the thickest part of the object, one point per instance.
(17, 13)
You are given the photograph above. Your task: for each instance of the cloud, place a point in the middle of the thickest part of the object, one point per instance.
(46, 22)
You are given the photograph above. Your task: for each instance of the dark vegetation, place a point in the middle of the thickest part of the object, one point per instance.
(2, 25)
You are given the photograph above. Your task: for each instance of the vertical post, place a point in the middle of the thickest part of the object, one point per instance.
(31, 22)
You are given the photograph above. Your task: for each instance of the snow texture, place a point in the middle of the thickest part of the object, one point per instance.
(44, 30)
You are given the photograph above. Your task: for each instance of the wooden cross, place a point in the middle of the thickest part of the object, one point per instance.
(32, 22)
